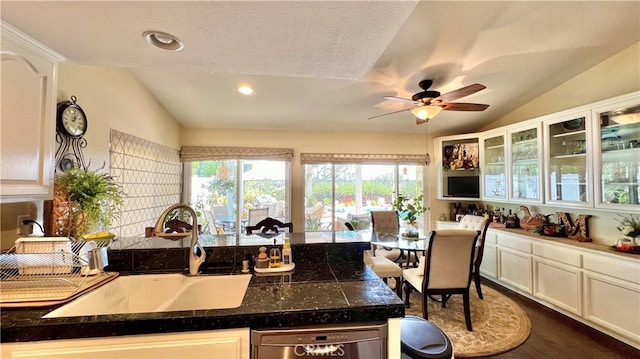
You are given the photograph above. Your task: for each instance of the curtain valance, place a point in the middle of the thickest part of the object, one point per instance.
(212, 153)
(362, 158)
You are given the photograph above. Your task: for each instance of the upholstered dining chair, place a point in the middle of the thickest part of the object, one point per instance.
(384, 268)
(481, 224)
(269, 225)
(446, 269)
(386, 222)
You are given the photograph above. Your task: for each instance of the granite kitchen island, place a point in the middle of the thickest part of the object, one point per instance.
(330, 285)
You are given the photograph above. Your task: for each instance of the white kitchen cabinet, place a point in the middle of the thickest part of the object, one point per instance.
(594, 286)
(493, 161)
(524, 155)
(557, 277)
(568, 172)
(488, 267)
(616, 139)
(612, 295)
(219, 344)
(27, 118)
(514, 262)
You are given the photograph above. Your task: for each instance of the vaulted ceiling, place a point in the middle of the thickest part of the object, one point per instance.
(326, 65)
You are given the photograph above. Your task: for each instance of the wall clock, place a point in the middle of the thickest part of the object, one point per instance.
(71, 126)
(71, 119)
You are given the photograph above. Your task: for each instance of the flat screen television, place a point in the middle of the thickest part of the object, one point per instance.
(463, 186)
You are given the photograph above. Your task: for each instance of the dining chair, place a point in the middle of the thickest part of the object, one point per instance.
(386, 222)
(384, 268)
(269, 225)
(210, 221)
(256, 215)
(481, 224)
(446, 269)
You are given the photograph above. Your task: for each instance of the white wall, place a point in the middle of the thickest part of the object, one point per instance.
(113, 98)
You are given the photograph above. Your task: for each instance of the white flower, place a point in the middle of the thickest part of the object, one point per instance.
(627, 230)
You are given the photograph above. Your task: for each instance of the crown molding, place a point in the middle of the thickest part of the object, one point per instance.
(14, 35)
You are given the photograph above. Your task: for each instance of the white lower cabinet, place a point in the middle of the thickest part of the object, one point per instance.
(612, 295)
(598, 288)
(557, 277)
(514, 262)
(557, 284)
(219, 344)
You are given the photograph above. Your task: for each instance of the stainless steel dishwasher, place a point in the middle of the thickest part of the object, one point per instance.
(350, 341)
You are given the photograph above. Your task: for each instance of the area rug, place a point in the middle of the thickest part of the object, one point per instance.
(499, 324)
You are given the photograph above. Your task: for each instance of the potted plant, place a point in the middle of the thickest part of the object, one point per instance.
(409, 209)
(91, 201)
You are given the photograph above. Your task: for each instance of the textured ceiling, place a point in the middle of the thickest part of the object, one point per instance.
(325, 66)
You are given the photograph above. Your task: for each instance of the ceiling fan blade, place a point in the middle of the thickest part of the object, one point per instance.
(463, 106)
(389, 113)
(461, 92)
(394, 98)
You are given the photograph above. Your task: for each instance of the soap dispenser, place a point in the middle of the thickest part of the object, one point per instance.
(287, 259)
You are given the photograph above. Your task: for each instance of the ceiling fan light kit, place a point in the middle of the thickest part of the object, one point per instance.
(426, 112)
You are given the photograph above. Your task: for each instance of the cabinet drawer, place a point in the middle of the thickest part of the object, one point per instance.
(513, 242)
(558, 254)
(625, 270)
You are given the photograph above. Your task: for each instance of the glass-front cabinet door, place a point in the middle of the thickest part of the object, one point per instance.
(567, 170)
(525, 153)
(617, 140)
(494, 169)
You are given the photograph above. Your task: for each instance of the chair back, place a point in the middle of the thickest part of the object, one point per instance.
(210, 221)
(257, 215)
(220, 211)
(269, 225)
(449, 259)
(385, 221)
(477, 223)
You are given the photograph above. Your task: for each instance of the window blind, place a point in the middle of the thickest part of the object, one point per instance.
(212, 153)
(362, 158)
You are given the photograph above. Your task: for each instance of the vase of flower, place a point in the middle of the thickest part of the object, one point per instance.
(630, 227)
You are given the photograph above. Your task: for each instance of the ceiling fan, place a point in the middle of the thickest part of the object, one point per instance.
(428, 103)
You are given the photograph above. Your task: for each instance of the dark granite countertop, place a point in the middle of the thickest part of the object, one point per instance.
(329, 285)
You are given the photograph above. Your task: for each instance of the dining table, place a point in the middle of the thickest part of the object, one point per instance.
(409, 245)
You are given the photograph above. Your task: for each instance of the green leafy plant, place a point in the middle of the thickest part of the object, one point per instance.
(409, 209)
(94, 197)
(629, 226)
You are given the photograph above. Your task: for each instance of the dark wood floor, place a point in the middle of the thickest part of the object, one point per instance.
(554, 335)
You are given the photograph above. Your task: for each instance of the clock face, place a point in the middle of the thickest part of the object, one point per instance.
(74, 121)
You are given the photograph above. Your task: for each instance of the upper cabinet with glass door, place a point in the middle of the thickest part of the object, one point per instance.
(617, 148)
(525, 151)
(494, 169)
(568, 165)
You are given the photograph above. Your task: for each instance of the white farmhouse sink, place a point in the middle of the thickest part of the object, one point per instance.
(158, 293)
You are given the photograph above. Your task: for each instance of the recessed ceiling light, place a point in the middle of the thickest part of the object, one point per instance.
(163, 40)
(245, 90)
